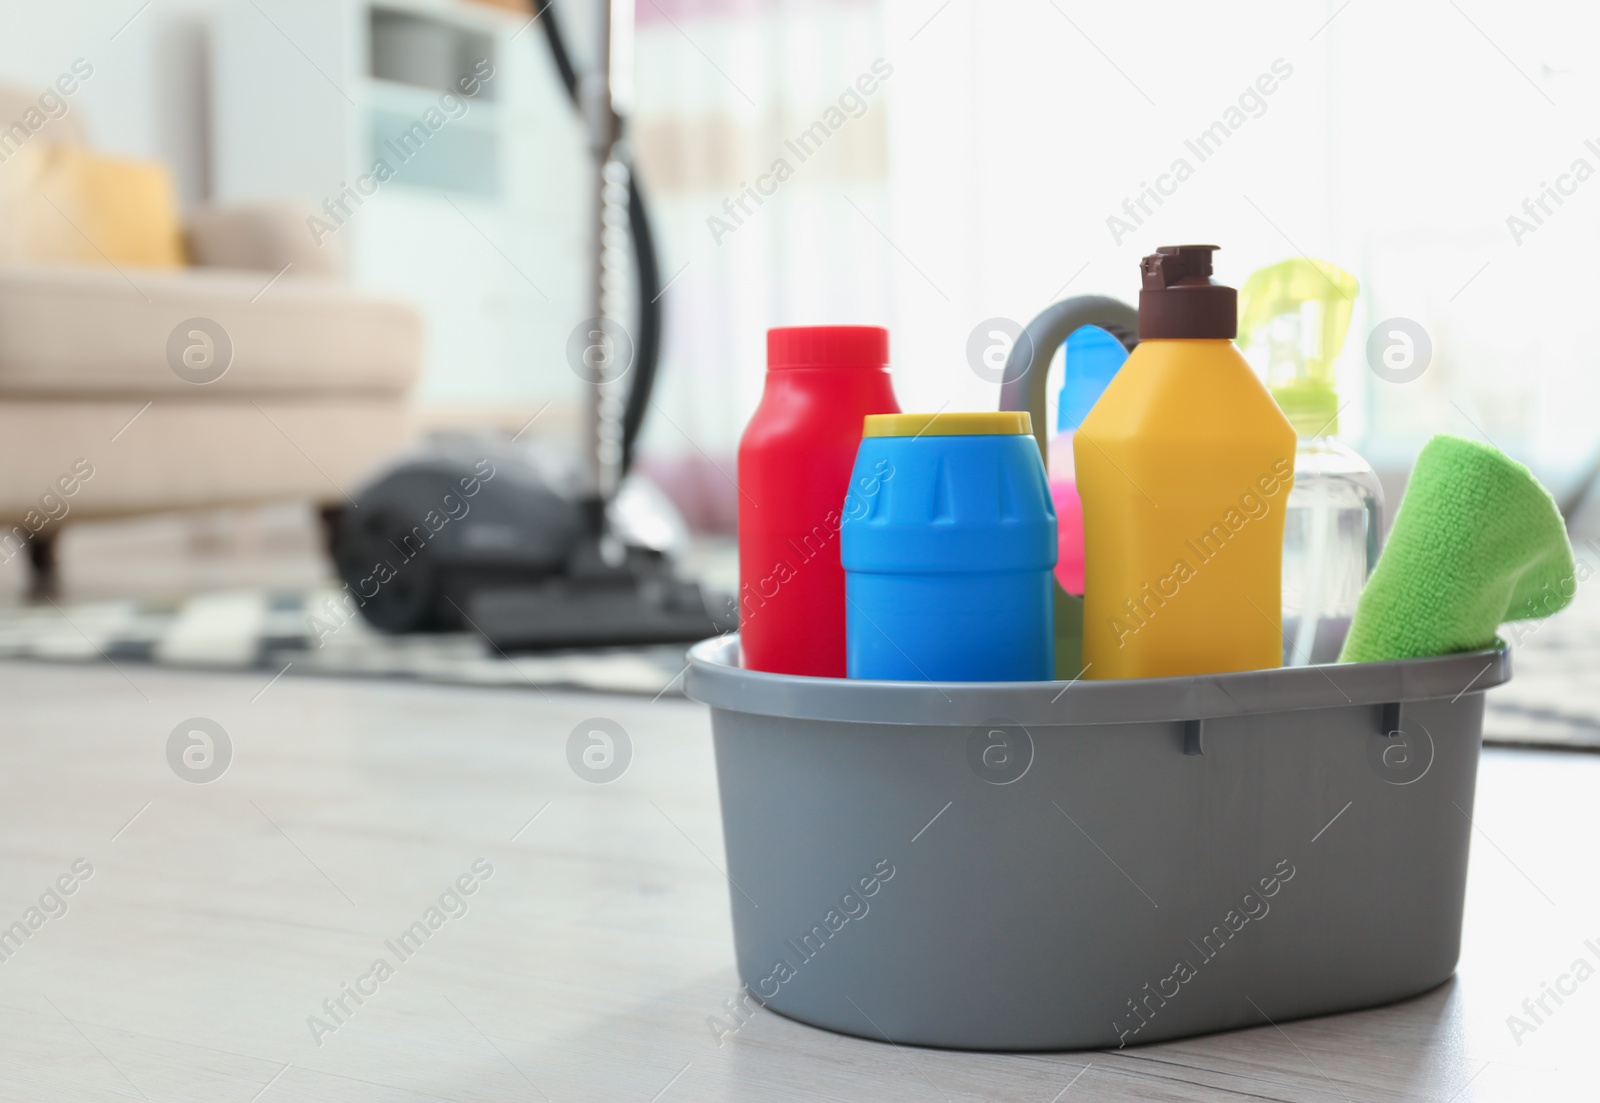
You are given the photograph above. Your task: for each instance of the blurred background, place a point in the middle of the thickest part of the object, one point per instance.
(1008, 155)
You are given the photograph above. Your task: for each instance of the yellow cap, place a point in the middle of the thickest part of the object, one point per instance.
(998, 423)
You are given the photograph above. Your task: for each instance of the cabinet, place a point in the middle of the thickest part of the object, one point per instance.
(472, 205)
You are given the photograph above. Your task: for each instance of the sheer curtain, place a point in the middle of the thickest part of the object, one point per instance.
(976, 180)
(756, 137)
(1023, 151)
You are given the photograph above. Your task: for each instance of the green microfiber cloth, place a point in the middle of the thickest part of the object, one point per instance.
(1476, 542)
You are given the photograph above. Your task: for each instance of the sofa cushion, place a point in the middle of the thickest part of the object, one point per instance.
(43, 116)
(93, 332)
(267, 236)
(67, 205)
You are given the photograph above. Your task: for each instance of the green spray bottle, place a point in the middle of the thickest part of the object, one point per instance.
(1293, 317)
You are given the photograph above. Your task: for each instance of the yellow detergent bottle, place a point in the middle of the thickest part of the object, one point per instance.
(1184, 466)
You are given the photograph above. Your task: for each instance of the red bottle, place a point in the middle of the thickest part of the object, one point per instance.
(794, 472)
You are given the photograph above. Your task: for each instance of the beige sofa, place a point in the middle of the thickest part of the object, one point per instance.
(95, 420)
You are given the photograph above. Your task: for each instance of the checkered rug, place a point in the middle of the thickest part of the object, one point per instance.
(275, 631)
(1553, 699)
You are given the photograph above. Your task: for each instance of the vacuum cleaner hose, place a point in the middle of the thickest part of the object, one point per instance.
(647, 340)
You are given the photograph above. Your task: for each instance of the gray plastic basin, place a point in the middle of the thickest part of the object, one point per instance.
(1070, 865)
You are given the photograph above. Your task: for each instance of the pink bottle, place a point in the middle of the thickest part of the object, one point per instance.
(1093, 357)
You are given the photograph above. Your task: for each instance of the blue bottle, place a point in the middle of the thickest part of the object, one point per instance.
(948, 542)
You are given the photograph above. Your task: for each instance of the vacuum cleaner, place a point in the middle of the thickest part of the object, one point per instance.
(529, 547)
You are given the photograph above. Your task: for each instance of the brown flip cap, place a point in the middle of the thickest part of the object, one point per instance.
(1178, 299)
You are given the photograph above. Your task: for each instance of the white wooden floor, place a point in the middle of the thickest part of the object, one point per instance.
(218, 917)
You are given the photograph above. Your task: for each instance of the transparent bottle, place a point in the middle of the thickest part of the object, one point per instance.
(1332, 533)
